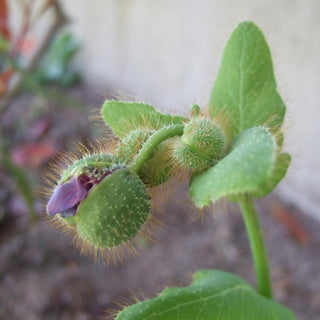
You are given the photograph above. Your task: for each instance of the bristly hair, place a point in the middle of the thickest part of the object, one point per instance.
(120, 303)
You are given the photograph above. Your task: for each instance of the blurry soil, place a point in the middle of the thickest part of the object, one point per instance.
(42, 276)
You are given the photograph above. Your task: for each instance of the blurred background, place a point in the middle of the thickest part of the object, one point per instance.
(59, 60)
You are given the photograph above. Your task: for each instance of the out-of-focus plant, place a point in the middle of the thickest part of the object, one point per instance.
(232, 149)
(55, 67)
(30, 64)
(19, 54)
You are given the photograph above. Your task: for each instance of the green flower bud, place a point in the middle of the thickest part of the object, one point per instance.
(130, 145)
(103, 202)
(114, 211)
(157, 168)
(202, 144)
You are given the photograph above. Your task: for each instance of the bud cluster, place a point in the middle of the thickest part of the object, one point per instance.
(104, 198)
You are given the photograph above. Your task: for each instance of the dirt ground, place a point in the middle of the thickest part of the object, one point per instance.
(43, 277)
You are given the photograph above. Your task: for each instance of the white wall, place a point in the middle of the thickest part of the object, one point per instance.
(167, 52)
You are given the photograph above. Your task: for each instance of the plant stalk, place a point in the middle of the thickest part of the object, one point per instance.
(153, 142)
(258, 248)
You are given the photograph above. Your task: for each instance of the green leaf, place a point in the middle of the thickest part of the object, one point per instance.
(280, 169)
(56, 65)
(252, 166)
(123, 117)
(245, 90)
(213, 295)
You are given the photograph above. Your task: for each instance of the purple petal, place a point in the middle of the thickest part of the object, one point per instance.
(66, 197)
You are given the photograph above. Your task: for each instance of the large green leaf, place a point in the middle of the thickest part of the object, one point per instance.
(252, 166)
(123, 117)
(213, 295)
(245, 89)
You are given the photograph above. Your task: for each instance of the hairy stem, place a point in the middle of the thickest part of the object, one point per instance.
(153, 142)
(257, 245)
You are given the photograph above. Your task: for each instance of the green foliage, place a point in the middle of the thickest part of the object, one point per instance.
(55, 67)
(245, 89)
(248, 168)
(213, 295)
(123, 117)
(129, 120)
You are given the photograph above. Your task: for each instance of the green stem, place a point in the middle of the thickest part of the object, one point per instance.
(153, 142)
(257, 245)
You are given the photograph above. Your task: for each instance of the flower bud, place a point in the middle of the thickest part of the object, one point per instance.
(130, 145)
(104, 202)
(157, 168)
(201, 145)
(76, 181)
(114, 211)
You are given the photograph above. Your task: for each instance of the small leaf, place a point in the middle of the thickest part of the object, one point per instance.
(123, 117)
(252, 166)
(213, 295)
(245, 89)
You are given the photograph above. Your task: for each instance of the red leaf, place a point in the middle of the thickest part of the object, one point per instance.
(4, 26)
(32, 155)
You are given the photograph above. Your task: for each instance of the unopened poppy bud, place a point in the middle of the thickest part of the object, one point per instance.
(202, 144)
(105, 203)
(76, 181)
(157, 168)
(114, 211)
(130, 145)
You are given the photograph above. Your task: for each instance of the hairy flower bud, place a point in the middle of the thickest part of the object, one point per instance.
(105, 202)
(114, 211)
(156, 169)
(202, 144)
(76, 181)
(130, 145)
